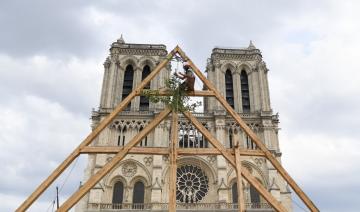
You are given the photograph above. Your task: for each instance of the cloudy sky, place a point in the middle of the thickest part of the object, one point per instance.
(51, 55)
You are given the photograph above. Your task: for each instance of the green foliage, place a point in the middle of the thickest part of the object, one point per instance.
(177, 100)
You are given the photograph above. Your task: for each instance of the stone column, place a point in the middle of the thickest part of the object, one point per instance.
(237, 92)
(262, 91)
(110, 89)
(207, 100)
(255, 87)
(266, 91)
(105, 84)
(221, 161)
(220, 87)
(119, 85)
(156, 188)
(135, 103)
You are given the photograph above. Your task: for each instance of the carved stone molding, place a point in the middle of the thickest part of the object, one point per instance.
(148, 160)
(129, 169)
(107, 63)
(129, 124)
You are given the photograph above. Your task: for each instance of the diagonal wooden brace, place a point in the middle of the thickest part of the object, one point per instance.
(252, 135)
(245, 173)
(111, 164)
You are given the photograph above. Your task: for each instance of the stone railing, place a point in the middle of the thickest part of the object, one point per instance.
(180, 206)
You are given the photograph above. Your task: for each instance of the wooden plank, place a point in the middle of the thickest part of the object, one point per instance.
(48, 181)
(245, 173)
(241, 197)
(173, 165)
(165, 151)
(116, 149)
(193, 93)
(252, 135)
(69, 203)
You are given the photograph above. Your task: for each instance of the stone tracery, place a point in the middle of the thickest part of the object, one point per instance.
(192, 184)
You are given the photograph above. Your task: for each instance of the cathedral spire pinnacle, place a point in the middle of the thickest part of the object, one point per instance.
(251, 45)
(121, 39)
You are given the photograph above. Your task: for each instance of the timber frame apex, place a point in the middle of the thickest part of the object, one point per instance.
(233, 157)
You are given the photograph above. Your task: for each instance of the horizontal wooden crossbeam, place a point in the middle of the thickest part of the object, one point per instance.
(192, 93)
(165, 151)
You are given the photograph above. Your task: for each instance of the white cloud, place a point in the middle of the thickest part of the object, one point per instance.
(35, 135)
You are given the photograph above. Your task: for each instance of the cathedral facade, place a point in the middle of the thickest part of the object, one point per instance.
(141, 182)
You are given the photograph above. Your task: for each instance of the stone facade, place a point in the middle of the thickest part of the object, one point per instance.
(203, 181)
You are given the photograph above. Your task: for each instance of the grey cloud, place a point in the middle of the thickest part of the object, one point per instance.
(45, 27)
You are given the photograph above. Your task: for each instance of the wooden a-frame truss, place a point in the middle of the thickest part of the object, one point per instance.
(232, 156)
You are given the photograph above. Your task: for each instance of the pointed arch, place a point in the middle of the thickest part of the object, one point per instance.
(245, 95)
(231, 138)
(129, 60)
(138, 195)
(146, 60)
(234, 193)
(229, 89)
(128, 83)
(254, 195)
(118, 194)
(144, 101)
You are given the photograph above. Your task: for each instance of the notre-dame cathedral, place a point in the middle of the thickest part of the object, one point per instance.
(207, 183)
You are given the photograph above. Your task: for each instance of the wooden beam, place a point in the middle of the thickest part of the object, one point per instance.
(193, 93)
(165, 151)
(252, 135)
(173, 164)
(241, 197)
(134, 150)
(69, 203)
(245, 173)
(48, 181)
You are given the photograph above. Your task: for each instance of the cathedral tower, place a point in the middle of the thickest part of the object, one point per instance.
(203, 182)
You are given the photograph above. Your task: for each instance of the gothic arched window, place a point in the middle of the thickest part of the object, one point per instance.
(128, 83)
(138, 195)
(229, 91)
(245, 91)
(254, 195)
(192, 184)
(234, 193)
(230, 139)
(118, 194)
(144, 101)
(143, 142)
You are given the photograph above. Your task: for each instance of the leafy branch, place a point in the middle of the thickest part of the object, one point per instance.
(177, 98)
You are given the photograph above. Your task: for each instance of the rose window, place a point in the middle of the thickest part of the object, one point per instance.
(192, 184)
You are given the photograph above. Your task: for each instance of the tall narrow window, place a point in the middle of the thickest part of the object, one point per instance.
(143, 142)
(118, 194)
(245, 91)
(128, 83)
(138, 195)
(144, 101)
(229, 88)
(234, 193)
(254, 196)
(123, 136)
(230, 139)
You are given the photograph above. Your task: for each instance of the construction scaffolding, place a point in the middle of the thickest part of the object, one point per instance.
(232, 156)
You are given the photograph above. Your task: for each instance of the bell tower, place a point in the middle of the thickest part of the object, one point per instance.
(127, 65)
(240, 74)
